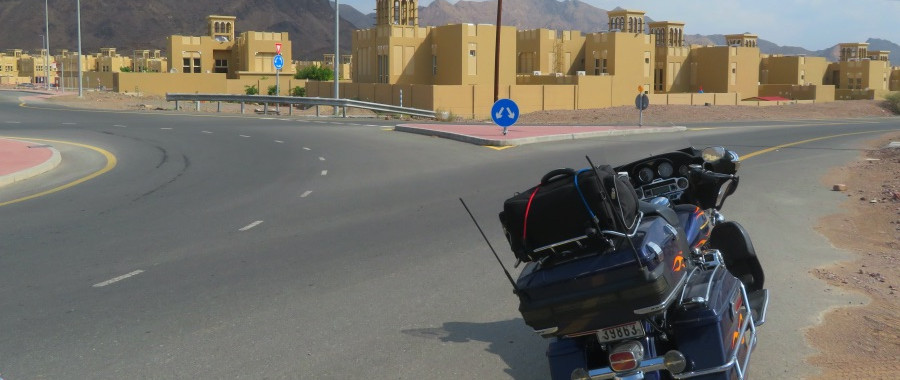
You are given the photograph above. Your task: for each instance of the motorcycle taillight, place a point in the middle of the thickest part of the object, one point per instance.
(626, 356)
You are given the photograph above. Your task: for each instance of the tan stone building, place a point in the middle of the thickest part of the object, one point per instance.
(860, 74)
(553, 52)
(800, 70)
(398, 51)
(672, 63)
(727, 69)
(9, 67)
(33, 67)
(251, 53)
(108, 61)
(149, 61)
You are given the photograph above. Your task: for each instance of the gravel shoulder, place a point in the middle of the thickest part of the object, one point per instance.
(858, 340)
(851, 341)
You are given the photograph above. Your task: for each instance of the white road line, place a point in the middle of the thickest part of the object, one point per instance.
(269, 118)
(120, 126)
(207, 132)
(69, 123)
(371, 125)
(13, 122)
(117, 279)
(244, 136)
(251, 225)
(324, 172)
(321, 158)
(166, 128)
(279, 141)
(305, 148)
(306, 194)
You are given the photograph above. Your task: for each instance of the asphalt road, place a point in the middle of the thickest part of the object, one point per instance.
(249, 247)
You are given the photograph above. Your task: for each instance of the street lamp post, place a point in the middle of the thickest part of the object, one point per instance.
(78, 12)
(47, 35)
(337, 31)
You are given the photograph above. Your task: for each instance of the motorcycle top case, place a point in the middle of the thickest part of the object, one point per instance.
(564, 206)
(706, 324)
(592, 292)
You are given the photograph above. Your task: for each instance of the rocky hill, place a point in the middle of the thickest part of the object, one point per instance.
(128, 25)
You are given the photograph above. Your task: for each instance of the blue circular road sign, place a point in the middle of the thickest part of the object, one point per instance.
(278, 61)
(505, 112)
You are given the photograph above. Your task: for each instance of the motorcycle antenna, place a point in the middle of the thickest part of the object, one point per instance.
(617, 216)
(508, 276)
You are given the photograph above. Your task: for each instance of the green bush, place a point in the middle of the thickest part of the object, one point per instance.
(125, 69)
(893, 102)
(319, 73)
(251, 90)
(298, 91)
(272, 90)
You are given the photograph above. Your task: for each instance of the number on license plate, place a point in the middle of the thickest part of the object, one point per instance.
(626, 331)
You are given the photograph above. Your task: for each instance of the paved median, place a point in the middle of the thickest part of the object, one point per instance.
(21, 159)
(492, 135)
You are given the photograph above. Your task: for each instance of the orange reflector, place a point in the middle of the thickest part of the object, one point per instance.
(622, 361)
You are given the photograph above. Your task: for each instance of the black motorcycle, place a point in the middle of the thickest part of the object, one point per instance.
(634, 273)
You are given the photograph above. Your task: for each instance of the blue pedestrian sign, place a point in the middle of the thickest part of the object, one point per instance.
(504, 113)
(278, 61)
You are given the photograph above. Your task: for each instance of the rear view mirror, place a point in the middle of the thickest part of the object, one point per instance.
(713, 154)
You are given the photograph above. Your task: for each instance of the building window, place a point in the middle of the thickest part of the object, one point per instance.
(433, 65)
(186, 66)
(196, 65)
(221, 66)
(603, 66)
(597, 66)
(471, 53)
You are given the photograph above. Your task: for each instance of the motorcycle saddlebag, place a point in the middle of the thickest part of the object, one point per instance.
(706, 324)
(592, 292)
(562, 207)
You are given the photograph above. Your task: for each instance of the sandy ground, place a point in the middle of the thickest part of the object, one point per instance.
(853, 342)
(864, 340)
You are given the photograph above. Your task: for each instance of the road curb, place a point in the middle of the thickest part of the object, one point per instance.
(41, 168)
(534, 139)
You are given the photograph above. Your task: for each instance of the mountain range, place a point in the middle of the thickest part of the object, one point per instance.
(310, 23)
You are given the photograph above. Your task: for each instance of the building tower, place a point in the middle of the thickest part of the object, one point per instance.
(741, 40)
(221, 28)
(668, 33)
(624, 20)
(854, 51)
(397, 12)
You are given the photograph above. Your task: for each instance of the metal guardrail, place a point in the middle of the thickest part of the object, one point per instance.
(316, 102)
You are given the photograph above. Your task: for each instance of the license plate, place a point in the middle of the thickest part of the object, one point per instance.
(626, 331)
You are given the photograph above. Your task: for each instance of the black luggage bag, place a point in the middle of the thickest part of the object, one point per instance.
(568, 205)
(592, 292)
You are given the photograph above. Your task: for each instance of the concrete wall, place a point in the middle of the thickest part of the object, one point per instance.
(818, 93)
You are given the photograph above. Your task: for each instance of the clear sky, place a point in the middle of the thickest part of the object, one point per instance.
(811, 24)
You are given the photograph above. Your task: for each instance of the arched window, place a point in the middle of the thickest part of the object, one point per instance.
(396, 12)
(404, 17)
(228, 27)
(216, 27)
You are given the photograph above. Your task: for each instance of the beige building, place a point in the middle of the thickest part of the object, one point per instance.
(251, 53)
(860, 70)
(727, 69)
(9, 67)
(33, 67)
(149, 61)
(108, 61)
(800, 70)
(671, 71)
(895, 79)
(553, 52)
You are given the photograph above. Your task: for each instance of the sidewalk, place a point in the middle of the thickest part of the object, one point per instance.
(21, 159)
(492, 135)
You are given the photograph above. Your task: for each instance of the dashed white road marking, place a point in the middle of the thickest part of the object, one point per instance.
(321, 158)
(166, 128)
(117, 279)
(306, 194)
(245, 136)
(207, 132)
(119, 125)
(324, 172)
(69, 123)
(251, 225)
(13, 122)
(279, 141)
(371, 125)
(305, 148)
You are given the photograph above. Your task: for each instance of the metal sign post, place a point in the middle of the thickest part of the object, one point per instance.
(641, 102)
(278, 62)
(505, 113)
